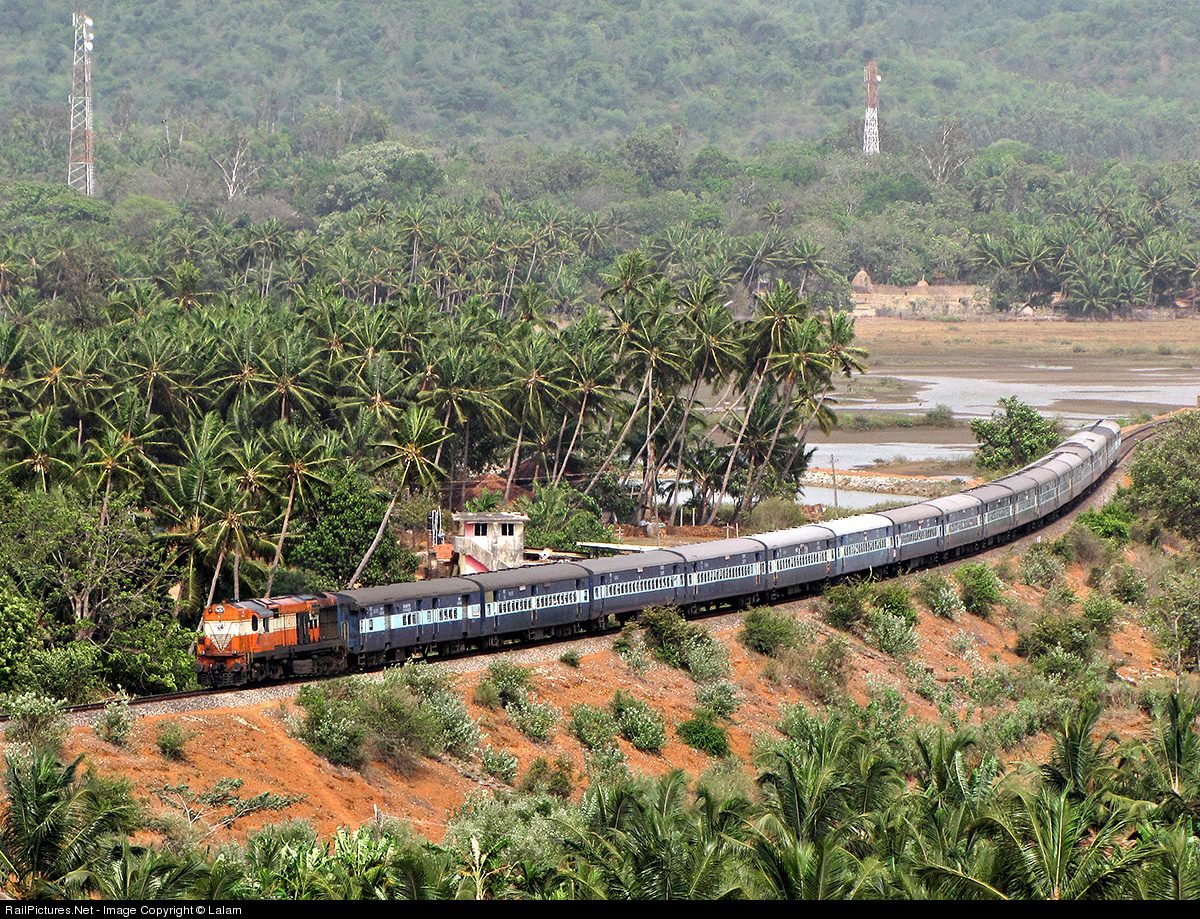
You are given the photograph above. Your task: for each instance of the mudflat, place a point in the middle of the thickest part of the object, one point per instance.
(1113, 368)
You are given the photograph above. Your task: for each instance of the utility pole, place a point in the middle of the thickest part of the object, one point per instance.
(871, 123)
(81, 167)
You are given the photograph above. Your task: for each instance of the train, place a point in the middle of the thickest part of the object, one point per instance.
(247, 641)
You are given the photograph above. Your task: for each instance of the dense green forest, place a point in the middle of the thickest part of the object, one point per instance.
(1107, 79)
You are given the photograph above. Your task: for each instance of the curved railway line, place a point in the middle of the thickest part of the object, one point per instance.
(1131, 437)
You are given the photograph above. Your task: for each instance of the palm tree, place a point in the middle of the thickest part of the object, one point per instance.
(301, 459)
(416, 437)
(52, 824)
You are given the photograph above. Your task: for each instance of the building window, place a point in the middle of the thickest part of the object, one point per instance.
(481, 529)
(508, 529)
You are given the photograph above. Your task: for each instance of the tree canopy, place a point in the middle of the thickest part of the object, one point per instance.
(1015, 435)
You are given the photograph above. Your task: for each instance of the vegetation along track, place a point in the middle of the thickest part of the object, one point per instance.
(1131, 437)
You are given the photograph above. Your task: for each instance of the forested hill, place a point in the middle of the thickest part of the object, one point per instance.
(1111, 78)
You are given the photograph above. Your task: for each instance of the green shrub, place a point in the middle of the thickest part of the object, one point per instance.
(630, 646)
(1129, 586)
(1056, 631)
(606, 764)
(398, 729)
(704, 658)
(682, 644)
(486, 695)
(940, 597)
(773, 514)
(846, 605)
(116, 724)
(940, 416)
(720, 699)
(962, 644)
(38, 721)
(414, 711)
(1081, 544)
(534, 719)
(171, 739)
(570, 658)
(768, 630)
(72, 672)
(593, 727)
(980, 588)
(1039, 568)
(890, 633)
(701, 733)
(638, 723)
(821, 670)
(454, 731)
(1059, 599)
(1101, 614)
(893, 598)
(1114, 522)
(500, 764)
(512, 681)
(557, 781)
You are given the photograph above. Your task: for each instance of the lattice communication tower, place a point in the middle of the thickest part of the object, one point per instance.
(81, 171)
(871, 122)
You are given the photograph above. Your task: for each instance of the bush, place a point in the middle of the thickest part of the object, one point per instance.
(1039, 568)
(413, 712)
(638, 723)
(701, 733)
(846, 605)
(773, 514)
(1129, 586)
(557, 781)
(1114, 522)
(719, 699)
(1059, 599)
(1060, 631)
(821, 670)
(38, 721)
(940, 597)
(500, 764)
(593, 727)
(570, 658)
(398, 729)
(980, 588)
(1015, 435)
(894, 599)
(682, 644)
(940, 416)
(891, 634)
(454, 731)
(512, 681)
(962, 645)
(116, 724)
(1080, 544)
(536, 720)
(1101, 614)
(71, 672)
(171, 739)
(768, 630)
(630, 646)
(486, 695)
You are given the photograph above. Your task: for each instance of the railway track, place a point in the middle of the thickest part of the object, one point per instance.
(1131, 438)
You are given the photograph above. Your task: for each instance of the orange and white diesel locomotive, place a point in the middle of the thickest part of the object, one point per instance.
(249, 640)
(245, 641)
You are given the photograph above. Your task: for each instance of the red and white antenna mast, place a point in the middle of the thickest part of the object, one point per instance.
(871, 123)
(81, 172)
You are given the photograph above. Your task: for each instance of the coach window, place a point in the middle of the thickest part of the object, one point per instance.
(254, 622)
